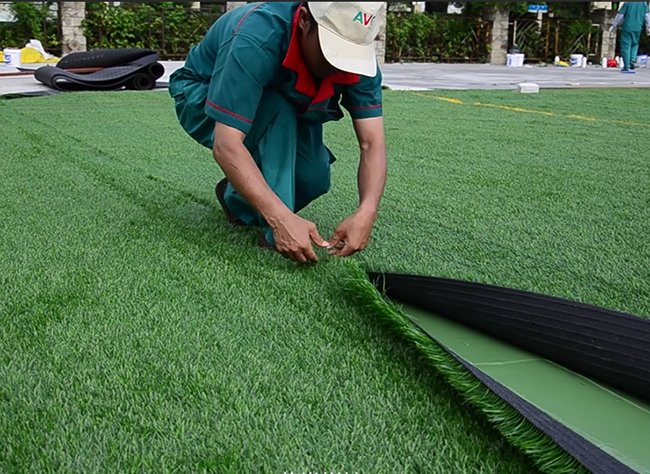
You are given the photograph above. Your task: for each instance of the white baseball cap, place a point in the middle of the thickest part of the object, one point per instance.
(347, 32)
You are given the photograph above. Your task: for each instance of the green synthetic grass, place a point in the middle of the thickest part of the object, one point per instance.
(544, 452)
(139, 332)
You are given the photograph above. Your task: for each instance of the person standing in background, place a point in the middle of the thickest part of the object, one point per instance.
(633, 15)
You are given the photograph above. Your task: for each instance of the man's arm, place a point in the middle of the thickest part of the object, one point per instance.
(364, 102)
(243, 173)
(371, 176)
(617, 20)
(619, 17)
(242, 71)
(353, 234)
(293, 234)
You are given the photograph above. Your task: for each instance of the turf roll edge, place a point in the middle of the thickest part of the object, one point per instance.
(552, 446)
(605, 345)
(590, 456)
(545, 453)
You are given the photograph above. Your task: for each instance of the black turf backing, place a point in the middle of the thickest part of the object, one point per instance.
(103, 58)
(608, 346)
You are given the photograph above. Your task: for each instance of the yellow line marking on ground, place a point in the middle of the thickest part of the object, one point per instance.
(449, 99)
(543, 112)
(517, 109)
(627, 122)
(531, 111)
(446, 99)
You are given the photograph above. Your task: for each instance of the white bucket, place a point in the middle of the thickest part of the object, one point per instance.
(12, 57)
(520, 59)
(576, 60)
(642, 59)
(515, 60)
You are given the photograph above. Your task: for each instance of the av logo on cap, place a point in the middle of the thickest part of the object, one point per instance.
(364, 18)
(347, 33)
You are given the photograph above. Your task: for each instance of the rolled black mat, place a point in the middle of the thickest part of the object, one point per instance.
(103, 58)
(140, 74)
(608, 346)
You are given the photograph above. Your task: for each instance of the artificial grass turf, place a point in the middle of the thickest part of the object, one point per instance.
(139, 330)
(541, 203)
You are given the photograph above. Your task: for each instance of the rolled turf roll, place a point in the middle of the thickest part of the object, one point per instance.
(605, 345)
(139, 74)
(517, 356)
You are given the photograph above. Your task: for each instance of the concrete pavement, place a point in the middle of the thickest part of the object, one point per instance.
(484, 76)
(415, 76)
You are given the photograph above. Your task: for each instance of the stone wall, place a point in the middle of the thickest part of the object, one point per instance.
(608, 41)
(499, 35)
(72, 34)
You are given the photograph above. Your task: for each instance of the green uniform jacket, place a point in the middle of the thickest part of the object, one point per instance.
(250, 50)
(633, 15)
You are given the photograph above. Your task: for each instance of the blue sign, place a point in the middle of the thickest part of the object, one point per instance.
(537, 8)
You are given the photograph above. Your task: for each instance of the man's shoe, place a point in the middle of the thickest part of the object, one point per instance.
(265, 244)
(633, 66)
(220, 190)
(627, 71)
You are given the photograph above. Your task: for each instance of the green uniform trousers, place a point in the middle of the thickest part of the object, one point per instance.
(629, 46)
(291, 156)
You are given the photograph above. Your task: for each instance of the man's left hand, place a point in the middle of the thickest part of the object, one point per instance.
(352, 235)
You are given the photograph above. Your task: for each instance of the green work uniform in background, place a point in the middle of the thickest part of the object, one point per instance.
(248, 73)
(634, 15)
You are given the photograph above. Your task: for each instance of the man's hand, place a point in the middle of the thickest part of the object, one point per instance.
(293, 237)
(352, 235)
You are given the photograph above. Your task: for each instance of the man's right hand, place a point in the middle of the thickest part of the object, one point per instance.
(293, 238)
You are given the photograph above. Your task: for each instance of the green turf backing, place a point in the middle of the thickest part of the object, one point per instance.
(610, 419)
(138, 331)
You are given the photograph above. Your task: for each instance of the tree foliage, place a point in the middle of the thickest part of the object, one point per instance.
(171, 28)
(33, 20)
(433, 37)
(567, 10)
